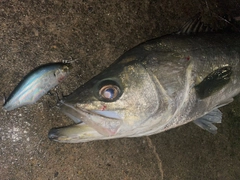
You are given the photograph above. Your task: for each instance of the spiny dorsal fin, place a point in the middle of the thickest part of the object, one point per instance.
(194, 25)
(197, 24)
(215, 81)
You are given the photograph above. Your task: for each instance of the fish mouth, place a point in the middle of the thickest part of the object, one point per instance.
(90, 125)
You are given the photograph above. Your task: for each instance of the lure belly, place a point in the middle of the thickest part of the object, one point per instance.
(36, 84)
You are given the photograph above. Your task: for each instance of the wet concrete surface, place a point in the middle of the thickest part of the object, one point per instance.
(95, 33)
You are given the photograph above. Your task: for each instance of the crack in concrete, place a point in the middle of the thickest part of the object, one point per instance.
(150, 144)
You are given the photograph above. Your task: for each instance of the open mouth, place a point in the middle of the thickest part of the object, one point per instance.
(89, 124)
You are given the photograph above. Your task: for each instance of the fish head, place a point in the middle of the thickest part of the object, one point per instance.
(115, 103)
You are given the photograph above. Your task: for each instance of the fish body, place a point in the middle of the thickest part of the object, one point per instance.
(37, 83)
(156, 86)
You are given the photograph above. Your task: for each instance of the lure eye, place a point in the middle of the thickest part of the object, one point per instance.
(109, 92)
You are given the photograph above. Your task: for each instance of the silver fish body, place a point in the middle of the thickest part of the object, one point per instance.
(37, 83)
(156, 86)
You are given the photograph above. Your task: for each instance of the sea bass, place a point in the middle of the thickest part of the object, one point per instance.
(37, 83)
(156, 86)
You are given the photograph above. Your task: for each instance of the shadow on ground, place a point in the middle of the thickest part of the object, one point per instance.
(95, 33)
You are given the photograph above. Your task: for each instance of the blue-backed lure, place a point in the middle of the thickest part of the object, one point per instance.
(37, 83)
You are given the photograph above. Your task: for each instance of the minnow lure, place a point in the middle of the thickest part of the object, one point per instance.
(37, 83)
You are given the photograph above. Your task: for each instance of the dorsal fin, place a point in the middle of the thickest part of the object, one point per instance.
(198, 25)
(194, 25)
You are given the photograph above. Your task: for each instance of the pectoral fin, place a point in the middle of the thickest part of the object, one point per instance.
(206, 121)
(214, 82)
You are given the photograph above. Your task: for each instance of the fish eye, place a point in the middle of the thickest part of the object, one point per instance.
(109, 91)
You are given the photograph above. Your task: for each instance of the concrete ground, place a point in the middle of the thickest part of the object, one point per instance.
(95, 33)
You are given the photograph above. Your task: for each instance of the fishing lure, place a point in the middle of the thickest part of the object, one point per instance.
(36, 84)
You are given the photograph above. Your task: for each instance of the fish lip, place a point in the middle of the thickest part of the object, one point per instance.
(104, 125)
(77, 108)
(76, 133)
(97, 114)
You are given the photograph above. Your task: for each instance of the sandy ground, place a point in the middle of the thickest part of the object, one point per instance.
(95, 33)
